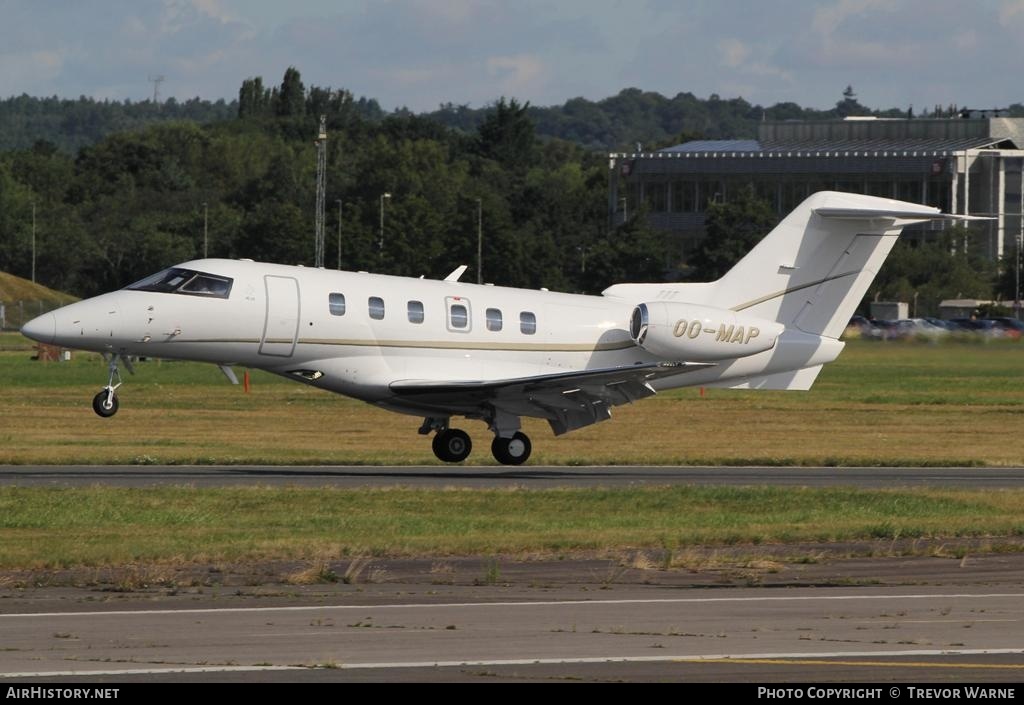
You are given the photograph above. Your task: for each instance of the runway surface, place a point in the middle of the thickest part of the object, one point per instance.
(492, 476)
(922, 618)
(624, 633)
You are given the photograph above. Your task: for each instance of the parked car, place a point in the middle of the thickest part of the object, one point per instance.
(859, 326)
(885, 329)
(909, 327)
(1011, 327)
(981, 326)
(947, 325)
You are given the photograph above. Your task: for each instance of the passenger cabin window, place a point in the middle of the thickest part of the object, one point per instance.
(376, 308)
(185, 281)
(494, 319)
(337, 304)
(527, 323)
(415, 312)
(460, 316)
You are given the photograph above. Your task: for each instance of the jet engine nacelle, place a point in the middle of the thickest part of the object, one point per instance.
(696, 333)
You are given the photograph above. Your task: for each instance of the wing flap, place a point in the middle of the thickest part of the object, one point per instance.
(568, 400)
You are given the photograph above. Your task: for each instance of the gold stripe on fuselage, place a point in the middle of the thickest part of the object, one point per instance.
(432, 344)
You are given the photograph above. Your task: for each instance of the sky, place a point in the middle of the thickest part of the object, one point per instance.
(421, 53)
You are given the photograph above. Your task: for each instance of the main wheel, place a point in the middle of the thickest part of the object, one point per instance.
(452, 445)
(104, 407)
(511, 451)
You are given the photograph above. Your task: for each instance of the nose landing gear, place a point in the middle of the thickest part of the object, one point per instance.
(105, 403)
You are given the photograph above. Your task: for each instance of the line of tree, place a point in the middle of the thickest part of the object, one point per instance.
(134, 202)
(72, 124)
(650, 119)
(615, 123)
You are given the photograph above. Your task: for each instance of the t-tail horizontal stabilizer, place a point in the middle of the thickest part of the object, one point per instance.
(919, 216)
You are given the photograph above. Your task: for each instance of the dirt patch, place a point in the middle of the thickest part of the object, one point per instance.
(901, 563)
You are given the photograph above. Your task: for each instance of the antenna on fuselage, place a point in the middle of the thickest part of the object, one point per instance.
(321, 177)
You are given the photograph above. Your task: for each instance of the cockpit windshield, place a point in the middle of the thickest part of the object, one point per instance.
(185, 281)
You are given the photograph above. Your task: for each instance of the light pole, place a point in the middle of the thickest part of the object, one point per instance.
(479, 241)
(339, 234)
(1016, 289)
(380, 245)
(33, 242)
(206, 248)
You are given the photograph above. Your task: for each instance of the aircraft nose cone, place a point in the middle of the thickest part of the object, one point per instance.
(42, 329)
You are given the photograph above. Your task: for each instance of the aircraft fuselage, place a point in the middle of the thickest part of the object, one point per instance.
(360, 331)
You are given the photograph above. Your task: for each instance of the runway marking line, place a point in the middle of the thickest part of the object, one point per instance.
(873, 664)
(781, 658)
(551, 603)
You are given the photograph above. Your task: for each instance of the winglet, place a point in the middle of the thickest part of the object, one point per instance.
(456, 273)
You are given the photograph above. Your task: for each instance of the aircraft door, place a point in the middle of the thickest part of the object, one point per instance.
(281, 328)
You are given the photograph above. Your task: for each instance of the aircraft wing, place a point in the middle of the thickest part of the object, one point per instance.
(568, 400)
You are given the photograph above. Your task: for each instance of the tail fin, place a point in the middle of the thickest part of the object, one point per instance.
(813, 269)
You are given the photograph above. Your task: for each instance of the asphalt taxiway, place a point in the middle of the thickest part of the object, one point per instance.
(498, 476)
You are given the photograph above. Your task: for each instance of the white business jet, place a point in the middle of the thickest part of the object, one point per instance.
(438, 349)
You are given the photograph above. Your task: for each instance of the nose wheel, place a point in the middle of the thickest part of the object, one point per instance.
(105, 403)
(452, 445)
(512, 451)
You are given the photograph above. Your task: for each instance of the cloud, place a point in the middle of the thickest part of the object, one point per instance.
(451, 12)
(33, 67)
(747, 61)
(966, 41)
(828, 19)
(733, 51)
(214, 9)
(423, 52)
(1011, 11)
(833, 40)
(520, 75)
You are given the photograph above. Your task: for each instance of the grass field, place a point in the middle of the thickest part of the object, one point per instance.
(879, 404)
(60, 528)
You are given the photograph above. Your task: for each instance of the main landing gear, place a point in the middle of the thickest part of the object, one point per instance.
(453, 445)
(512, 451)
